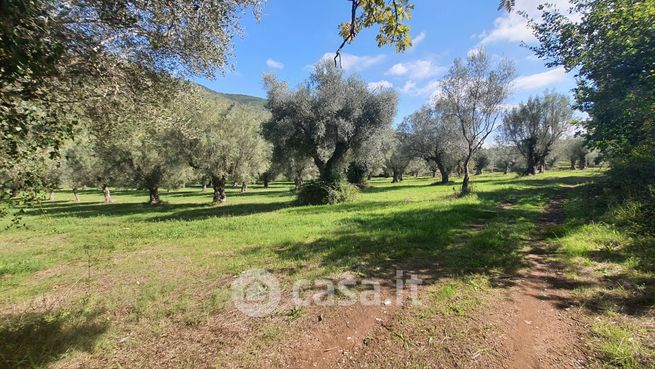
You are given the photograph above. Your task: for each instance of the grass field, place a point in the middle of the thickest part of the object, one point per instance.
(95, 283)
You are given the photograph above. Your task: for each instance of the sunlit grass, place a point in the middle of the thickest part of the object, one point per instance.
(173, 263)
(615, 271)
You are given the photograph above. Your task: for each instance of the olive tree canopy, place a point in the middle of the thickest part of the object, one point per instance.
(326, 117)
(472, 96)
(535, 126)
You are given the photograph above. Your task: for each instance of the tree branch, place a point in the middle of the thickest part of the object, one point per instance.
(351, 34)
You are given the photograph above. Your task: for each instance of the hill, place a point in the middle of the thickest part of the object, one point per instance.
(239, 98)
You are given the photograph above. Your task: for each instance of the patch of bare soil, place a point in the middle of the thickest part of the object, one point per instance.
(524, 323)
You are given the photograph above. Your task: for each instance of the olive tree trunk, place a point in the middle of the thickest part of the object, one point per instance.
(153, 192)
(218, 184)
(397, 177)
(466, 189)
(443, 172)
(330, 170)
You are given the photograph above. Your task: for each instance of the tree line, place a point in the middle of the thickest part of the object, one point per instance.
(98, 69)
(333, 131)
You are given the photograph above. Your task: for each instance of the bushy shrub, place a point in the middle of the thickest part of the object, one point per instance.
(319, 193)
(630, 192)
(357, 173)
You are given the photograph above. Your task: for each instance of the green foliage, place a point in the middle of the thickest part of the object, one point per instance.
(30, 121)
(397, 155)
(535, 126)
(434, 139)
(221, 140)
(327, 118)
(389, 16)
(504, 157)
(482, 160)
(65, 62)
(357, 173)
(473, 92)
(321, 193)
(612, 48)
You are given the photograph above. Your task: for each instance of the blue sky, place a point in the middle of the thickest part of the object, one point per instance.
(292, 35)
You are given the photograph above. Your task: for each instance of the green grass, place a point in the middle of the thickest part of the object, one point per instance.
(614, 270)
(171, 265)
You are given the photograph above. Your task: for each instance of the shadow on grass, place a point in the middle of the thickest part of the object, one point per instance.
(533, 181)
(631, 291)
(376, 188)
(162, 212)
(430, 241)
(223, 210)
(36, 340)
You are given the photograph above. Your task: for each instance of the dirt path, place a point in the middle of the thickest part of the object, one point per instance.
(537, 329)
(525, 324)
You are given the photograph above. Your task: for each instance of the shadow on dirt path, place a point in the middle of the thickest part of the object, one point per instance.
(534, 325)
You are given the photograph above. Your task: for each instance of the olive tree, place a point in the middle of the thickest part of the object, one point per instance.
(137, 143)
(472, 96)
(482, 160)
(327, 117)
(534, 127)
(575, 150)
(221, 141)
(397, 155)
(504, 157)
(80, 164)
(61, 57)
(432, 138)
(251, 153)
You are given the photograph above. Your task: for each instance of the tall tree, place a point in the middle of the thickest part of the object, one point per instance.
(136, 140)
(433, 139)
(398, 155)
(327, 117)
(611, 46)
(535, 126)
(220, 140)
(472, 94)
(62, 57)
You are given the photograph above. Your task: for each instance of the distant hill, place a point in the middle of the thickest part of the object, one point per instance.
(239, 98)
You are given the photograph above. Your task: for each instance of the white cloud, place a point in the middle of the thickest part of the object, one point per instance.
(408, 87)
(513, 27)
(510, 27)
(432, 88)
(418, 69)
(429, 89)
(418, 39)
(379, 85)
(274, 64)
(355, 62)
(540, 80)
